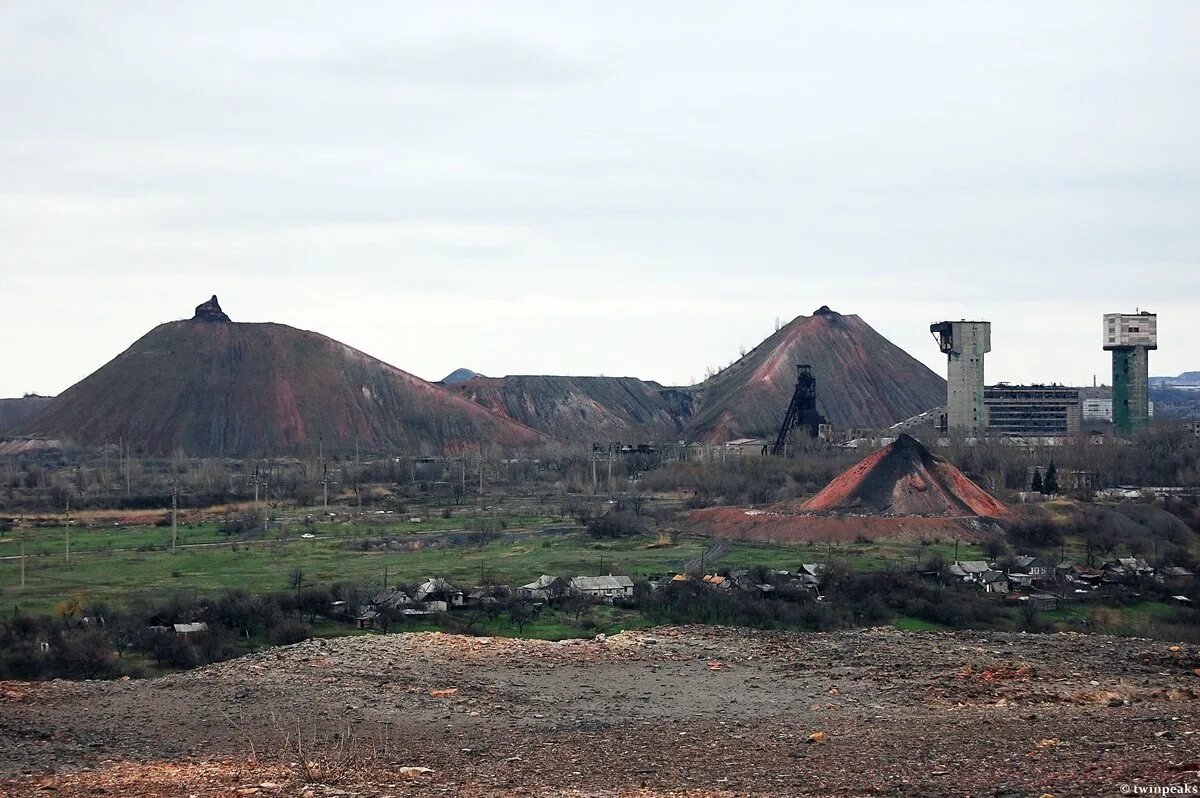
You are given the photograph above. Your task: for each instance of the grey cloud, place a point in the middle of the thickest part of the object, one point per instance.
(721, 167)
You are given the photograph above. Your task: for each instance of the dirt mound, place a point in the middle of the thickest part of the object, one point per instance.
(904, 478)
(901, 491)
(781, 524)
(14, 412)
(585, 409)
(211, 387)
(863, 380)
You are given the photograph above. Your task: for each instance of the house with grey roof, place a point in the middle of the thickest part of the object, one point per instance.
(604, 587)
(438, 590)
(544, 588)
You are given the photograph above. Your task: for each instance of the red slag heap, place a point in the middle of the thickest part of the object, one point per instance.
(904, 478)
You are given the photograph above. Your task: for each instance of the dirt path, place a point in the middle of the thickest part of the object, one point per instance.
(714, 552)
(696, 711)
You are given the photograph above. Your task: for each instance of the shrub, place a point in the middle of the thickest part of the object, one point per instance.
(291, 630)
(616, 524)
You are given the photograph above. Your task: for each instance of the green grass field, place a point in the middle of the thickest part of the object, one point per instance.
(122, 565)
(916, 625)
(127, 565)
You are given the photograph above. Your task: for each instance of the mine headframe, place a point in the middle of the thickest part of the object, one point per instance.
(802, 412)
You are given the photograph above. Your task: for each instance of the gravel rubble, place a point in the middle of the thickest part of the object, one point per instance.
(699, 711)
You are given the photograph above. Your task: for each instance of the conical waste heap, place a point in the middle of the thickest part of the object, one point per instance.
(904, 478)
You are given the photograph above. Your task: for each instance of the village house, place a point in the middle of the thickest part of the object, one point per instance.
(742, 579)
(544, 588)
(969, 570)
(980, 573)
(747, 447)
(1036, 567)
(1136, 565)
(439, 592)
(1175, 572)
(994, 581)
(717, 581)
(1084, 576)
(604, 587)
(488, 595)
(1125, 570)
(390, 599)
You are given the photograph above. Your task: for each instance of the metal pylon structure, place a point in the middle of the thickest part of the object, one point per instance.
(802, 412)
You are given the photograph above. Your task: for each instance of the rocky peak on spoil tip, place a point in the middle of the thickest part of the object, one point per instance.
(210, 311)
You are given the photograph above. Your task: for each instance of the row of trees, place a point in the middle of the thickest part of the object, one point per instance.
(96, 640)
(1165, 454)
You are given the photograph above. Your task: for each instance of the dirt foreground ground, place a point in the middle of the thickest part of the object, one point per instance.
(669, 711)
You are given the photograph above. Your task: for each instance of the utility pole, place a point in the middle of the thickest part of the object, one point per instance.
(325, 485)
(256, 488)
(174, 515)
(610, 482)
(68, 529)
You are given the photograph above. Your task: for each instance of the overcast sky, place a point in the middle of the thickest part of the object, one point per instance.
(598, 188)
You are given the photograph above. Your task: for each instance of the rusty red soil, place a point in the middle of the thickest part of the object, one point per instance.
(779, 524)
(905, 478)
(901, 491)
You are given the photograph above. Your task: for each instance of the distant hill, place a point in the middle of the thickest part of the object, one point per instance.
(17, 411)
(459, 375)
(1186, 378)
(863, 380)
(210, 386)
(586, 409)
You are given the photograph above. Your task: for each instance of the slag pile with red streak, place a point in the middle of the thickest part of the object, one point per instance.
(905, 478)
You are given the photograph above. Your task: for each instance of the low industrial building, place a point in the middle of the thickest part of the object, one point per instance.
(1032, 411)
(1097, 404)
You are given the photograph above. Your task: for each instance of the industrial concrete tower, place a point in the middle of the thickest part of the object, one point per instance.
(1130, 337)
(965, 343)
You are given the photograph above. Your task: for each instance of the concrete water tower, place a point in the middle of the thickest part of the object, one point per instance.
(1130, 337)
(965, 343)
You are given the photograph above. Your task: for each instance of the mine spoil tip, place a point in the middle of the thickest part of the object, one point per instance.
(210, 311)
